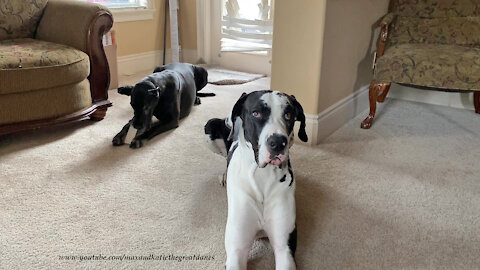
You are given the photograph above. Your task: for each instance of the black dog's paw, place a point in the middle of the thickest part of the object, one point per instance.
(136, 144)
(197, 101)
(118, 141)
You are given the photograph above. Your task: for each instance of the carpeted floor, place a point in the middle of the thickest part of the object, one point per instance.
(403, 195)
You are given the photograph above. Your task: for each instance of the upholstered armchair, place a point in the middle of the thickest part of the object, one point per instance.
(53, 68)
(433, 44)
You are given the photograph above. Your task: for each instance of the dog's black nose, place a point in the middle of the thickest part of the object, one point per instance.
(277, 143)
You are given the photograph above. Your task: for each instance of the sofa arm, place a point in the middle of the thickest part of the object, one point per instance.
(69, 22)
(80, 25)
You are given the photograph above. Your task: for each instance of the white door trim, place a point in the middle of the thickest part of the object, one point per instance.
(208, 47)
(203, 30)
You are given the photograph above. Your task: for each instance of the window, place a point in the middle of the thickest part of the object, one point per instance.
(120, 3)
(247, 26)
(128, 10)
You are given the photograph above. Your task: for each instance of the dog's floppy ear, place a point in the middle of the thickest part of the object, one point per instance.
(125, 90)
(236, 112)
(159, 69)
(154, 92)
(152, 89)
(300, 116)
(201, 77)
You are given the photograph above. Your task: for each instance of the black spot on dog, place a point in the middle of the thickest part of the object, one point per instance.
(206, 94)
(283, 178)
(291, 175)
(292, 241)
(290, 172)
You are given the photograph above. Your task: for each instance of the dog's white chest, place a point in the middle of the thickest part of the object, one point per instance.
(262, 185)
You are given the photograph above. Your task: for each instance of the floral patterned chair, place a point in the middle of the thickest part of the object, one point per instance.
(428, 43)
(53, 68)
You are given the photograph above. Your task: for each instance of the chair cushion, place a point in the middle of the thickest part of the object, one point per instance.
(440, 66)
(45, 103)
(19, 18)
(463, 31)
(29, 64)
(435, 8)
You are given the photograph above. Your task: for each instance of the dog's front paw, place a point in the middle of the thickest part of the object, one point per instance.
(117, 141)
(136, 144)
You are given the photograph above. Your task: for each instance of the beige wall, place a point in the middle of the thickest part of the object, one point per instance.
(297, 46)
(141, 36)
(146, 36)
(322, 49)
(188, 24)
(349, 42)
(322, 53)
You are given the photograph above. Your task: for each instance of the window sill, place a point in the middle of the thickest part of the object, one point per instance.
(132, 14)
(260, 53)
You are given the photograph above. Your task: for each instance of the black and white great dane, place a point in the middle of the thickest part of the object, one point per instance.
(260, 181)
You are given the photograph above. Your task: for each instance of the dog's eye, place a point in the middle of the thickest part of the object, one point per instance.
(288, 116)
(256, 114)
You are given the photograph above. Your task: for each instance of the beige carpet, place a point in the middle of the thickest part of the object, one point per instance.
(403, 195)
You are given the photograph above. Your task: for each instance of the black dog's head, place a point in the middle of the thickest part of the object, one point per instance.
(201, 77)
(144, 99)
(268, 118)
(217, 133)
(217, 129)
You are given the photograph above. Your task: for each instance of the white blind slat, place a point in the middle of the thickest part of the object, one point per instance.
(260, 28)
(243, 49)
(226, 37)
(253, 36)
(247, 22)
(241, 34)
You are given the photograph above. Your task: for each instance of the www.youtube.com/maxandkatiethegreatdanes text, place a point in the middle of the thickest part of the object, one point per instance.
(125, 257)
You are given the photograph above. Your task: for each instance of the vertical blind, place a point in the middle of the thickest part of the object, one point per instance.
(247, 25)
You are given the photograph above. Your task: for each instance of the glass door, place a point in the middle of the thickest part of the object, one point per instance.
(241, 34)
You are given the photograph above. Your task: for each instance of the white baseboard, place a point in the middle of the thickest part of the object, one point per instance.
(132, 64)
(320, 126)
(449, 99)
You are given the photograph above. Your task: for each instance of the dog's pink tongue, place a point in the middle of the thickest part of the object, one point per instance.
(278, 160)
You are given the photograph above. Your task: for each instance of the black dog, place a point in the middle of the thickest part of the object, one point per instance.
(168, 94)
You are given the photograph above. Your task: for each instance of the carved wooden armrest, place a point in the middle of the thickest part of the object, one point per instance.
(384, 27)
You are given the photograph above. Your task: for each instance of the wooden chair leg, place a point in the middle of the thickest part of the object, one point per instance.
(476, 101)
(383, 94)
(375, 89)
